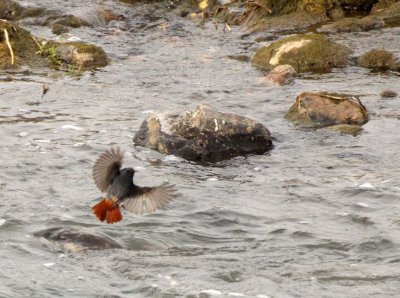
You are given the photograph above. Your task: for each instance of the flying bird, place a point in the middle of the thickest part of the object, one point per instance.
(122, 192)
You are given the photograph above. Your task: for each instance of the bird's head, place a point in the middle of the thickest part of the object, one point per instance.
(128, 172)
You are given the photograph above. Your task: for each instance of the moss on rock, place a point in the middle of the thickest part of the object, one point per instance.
(17, 47)
(378, 59)
(306, 52)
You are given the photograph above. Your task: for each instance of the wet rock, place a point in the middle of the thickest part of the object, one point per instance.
(353, 25)
(281, 74)
(204, 135)
(59, 29)
(12, 11)
(289, 14)
(388, 94)
(17, 47)
(323, 109)
(76, 239)
(91, 17)
(240, 57)
(379, 60)
(353, 130)
(82, 55)
(306, 52)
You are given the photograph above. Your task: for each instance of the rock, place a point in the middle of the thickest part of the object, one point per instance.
(240, 57)
(82, 55)
(379, 60)
(204, 135)
(353, 130)
(353, 25)
(323, 109)
(388, 94)
(21, 48)
(76, 239)
(58, 29)
(12, 11)
(281, 73)
(306, 52)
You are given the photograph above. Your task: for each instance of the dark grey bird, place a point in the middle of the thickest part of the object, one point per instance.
(122, 191)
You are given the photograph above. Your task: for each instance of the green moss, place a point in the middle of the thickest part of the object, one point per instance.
(307, 52)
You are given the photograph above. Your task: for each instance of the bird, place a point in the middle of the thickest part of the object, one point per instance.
(122, 192)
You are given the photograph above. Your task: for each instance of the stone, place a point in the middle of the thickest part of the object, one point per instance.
(322, 109)
(388, 94)
(82, 55)
(204, 135)
(77, 239)
(281, 73)
(304, 52)
(353, 25)
(379, 59)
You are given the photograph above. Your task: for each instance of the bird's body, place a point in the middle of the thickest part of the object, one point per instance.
(121, 190)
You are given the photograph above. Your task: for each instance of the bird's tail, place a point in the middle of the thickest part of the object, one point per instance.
(107, 210)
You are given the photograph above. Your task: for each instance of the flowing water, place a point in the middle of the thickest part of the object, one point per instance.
(316, 217)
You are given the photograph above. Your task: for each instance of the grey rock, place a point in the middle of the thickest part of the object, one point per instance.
(204, 135)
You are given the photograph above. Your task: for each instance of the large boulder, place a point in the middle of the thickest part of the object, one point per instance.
(204, 135)
(305, 52)
(76, 239)
(323, 109)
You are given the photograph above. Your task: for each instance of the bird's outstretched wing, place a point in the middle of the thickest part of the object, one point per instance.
(107, 168)
(149, 199)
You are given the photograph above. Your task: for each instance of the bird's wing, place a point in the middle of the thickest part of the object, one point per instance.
(149, 199)
(107, 168)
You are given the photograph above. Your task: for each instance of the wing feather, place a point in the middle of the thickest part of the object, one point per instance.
(107, 167)
(149, 199)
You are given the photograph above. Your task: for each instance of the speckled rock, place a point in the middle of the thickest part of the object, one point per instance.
(306, 52)
(323, 109)
(204, 135)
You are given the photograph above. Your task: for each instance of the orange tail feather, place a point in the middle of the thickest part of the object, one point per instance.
(113, 215)
(107, 210)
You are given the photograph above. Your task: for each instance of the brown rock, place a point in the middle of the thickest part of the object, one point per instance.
(327, 109)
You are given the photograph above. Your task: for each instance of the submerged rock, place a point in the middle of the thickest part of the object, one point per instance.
(353, 25)
(323, 109)
(379, 60)
(77, 239)
(388, 94)
(306, 52)
(204, 135)
(353, 130)
(281, 73)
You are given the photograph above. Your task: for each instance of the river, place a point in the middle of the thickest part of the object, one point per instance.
(318, 216)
